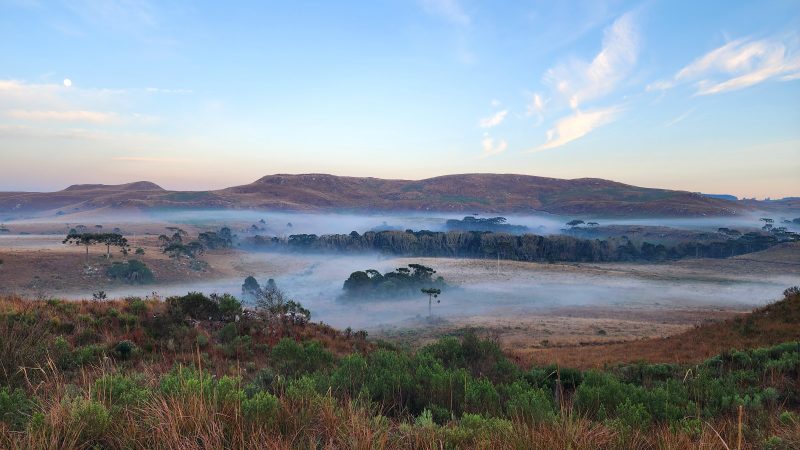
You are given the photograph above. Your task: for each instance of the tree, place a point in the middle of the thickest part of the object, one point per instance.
(116, 240)
(432, 293)
(270, 298)
(250, 288)
(574, 223)
(85, 239)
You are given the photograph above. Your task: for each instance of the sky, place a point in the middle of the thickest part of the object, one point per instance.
(698, 96)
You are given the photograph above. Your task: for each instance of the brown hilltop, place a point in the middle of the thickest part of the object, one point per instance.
(464, 193)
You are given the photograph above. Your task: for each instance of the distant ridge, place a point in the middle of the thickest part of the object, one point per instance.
(732, 198)
(135, 186)
(464, 193)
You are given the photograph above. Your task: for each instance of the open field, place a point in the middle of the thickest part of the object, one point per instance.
(532, 308)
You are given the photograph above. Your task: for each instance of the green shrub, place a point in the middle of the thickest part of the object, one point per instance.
(530, 404)
(121, 391)
(136, 306)
(124, 349)
(133, 271)
(229, 306)
(227, 333)
(425, 419)
(789, 418)
(482, 397)
(262, 408)
(292, 359)
(90, 417)
(15, 407)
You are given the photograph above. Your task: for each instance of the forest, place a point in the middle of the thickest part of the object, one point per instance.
(525, 247)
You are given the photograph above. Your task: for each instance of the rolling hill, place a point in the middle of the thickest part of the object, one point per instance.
(465, 193)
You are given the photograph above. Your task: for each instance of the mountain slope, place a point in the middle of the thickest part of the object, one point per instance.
(465, 193)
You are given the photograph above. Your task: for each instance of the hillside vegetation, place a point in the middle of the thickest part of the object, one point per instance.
(773, 324)
(199, 372)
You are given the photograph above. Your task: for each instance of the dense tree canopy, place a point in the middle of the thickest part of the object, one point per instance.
(525, 247)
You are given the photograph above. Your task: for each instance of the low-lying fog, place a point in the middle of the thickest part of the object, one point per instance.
(285, 223)
(478, 288)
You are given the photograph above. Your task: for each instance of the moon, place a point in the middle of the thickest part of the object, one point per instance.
(67, 82)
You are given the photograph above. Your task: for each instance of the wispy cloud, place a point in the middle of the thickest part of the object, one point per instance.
(536, 108)
(494, 120)
(679, 118)
(577, 82)
(736, 65)
(492, 147)
(448, 9)
(63, 116)
(580, 81)
(577, 125)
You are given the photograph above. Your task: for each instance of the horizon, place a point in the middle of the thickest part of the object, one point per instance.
(195, 96)
(168, 188)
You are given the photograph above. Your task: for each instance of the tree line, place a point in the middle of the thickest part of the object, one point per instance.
(525, 247)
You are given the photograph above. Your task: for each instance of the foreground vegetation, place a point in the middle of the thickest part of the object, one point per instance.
(201, 372)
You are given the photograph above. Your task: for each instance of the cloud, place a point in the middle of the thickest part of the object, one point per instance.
(448, 9)
(490, 147)
(736, 65)
(536, 108)
(494, 120)
(580, 81)
(63, 116)
(577, 125)
(679, 118)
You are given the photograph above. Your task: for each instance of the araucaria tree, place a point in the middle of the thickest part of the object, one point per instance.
(88, 239)
(432, 293)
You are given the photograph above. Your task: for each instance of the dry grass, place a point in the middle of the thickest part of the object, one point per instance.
(765, 326)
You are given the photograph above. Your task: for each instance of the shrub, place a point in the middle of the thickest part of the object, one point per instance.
(121, 391)
(136, 306)
(124, 349)
(132, 271)
(195, 305)
(227, 333)
(292, 359)
(530, 404)
(482, 397)
(262, 408)
(229, 306)
(15, 407)
(90, 417)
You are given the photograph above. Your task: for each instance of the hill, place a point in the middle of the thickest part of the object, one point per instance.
(197, 372)
(770, 325)
(465, 193)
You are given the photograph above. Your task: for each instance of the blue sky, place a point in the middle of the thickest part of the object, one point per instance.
(700, 96)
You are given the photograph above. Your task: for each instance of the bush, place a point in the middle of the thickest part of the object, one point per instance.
(132, 271)
(90, 417)
(292, 359)
(262, 408)
(15, 407)
(121, 391)
(529, 404)
(136, 306)
(229, 306)
(482, 397)
(124, 349)
(227, 333)
(195, 305)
